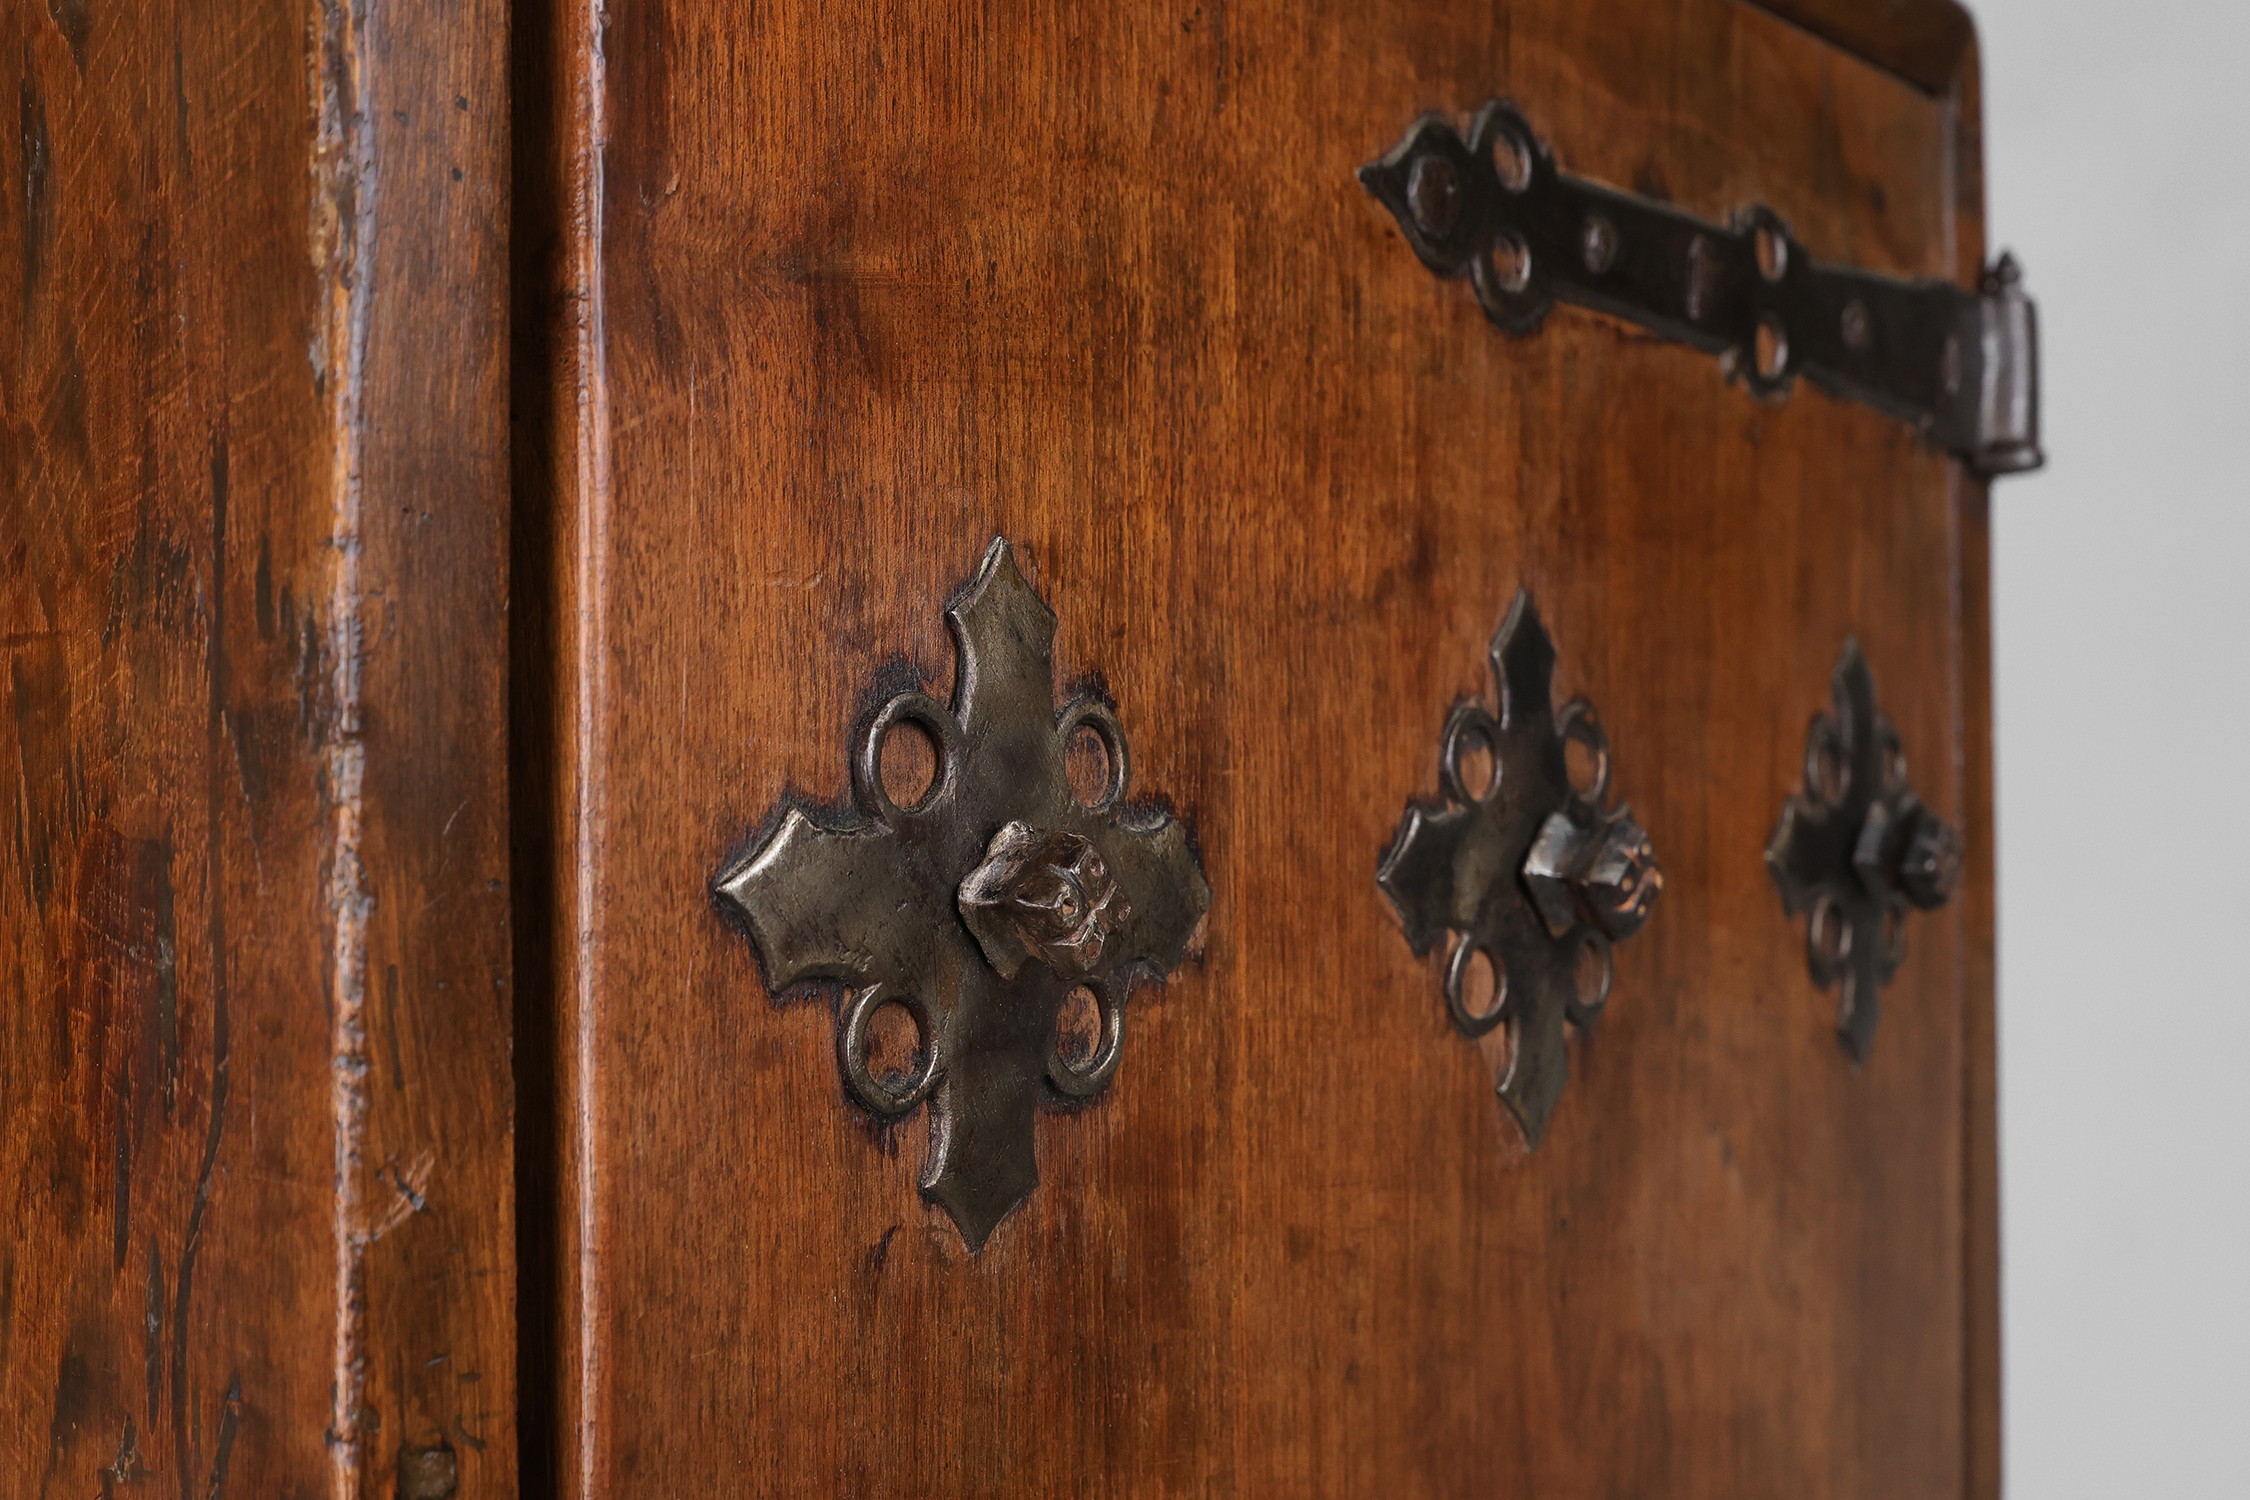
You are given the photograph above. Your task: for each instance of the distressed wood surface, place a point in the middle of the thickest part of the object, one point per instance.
(825, 299)
(255, 1115)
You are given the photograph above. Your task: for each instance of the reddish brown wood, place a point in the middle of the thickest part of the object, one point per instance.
(808, 305)
(839, 294)
(1930, 43)
(253, 904)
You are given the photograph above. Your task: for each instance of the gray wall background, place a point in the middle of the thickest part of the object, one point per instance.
(2118, 165)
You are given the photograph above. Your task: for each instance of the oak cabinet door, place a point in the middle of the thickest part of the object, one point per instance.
(853, 292)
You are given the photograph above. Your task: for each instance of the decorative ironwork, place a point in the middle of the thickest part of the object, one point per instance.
(1855, 849)
(979, 908)
(1960, 365)
(1529, 870)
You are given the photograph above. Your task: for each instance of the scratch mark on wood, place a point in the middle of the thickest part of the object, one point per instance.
(48, 808)
(121, 1230)
(180, 108)
(122, 1001)
(437, 880)
(39, 204)
(229, 1420)
(261, 596)
(390, 1025)
(74, 1395)
(152, 1327)
(410, 1188)
(880, 1252)
(216, 935)
(75, 20)
(127, 1467)
(7, 1308)
(167, 977)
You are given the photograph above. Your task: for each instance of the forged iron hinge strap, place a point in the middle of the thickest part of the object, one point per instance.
(1960, 365)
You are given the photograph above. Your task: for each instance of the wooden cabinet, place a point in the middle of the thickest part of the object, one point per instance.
(469, 472)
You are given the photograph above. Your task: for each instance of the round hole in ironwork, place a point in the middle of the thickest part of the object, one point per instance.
(1499, 1048)
(1831, 932)
(1894, 766)
(1484, 985)
(1479, 769)
(1078, 1028)
(1857, 330)
(1433, 192)
(908, 761)
(1772, 351)
(895, 1048)
(1086, 766)
(1582, 763)
(1511, 159)
(1511, 261)
(1830, 769)
(1773, 252)
(1590, 972)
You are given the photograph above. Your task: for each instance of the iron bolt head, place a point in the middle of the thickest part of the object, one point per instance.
(1623, 879)
(1857, 329)
(1607, 874)
(1549, 871)
(1039, 895)
(1433, 192)
(1599, 244)
(1930, 870)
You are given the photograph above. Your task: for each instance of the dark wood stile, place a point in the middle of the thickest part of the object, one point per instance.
(254, 896)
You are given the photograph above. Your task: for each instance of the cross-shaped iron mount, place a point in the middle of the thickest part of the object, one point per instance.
(1529, 870)
(1855, 849)
(980, 907)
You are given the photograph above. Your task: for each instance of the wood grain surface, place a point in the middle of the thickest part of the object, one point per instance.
(256, 1155)
(818, 301)
(808, 305)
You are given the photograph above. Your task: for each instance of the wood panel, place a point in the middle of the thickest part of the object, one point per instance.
(253, 894)
(829, 297)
